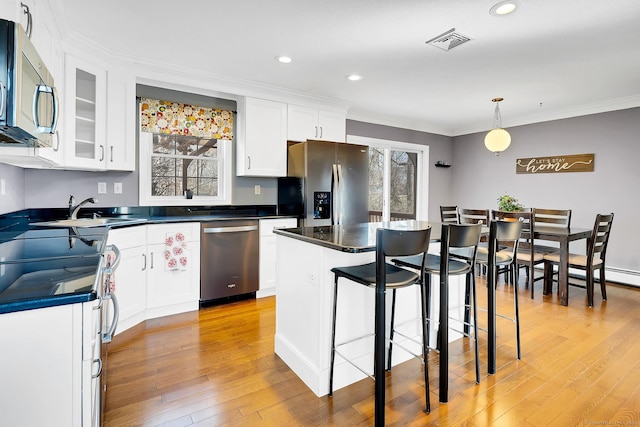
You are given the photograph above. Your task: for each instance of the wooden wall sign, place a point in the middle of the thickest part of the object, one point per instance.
(556, 164)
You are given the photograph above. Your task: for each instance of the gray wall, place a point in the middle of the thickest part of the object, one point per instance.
(480, 177)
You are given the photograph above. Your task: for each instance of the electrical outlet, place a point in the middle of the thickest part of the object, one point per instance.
(117, 188)
(102, 188)
(3, 189)
(256, 189)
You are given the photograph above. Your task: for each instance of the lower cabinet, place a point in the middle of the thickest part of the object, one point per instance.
(50, 366)
(171, 288)
(268, 253)
(145, 285)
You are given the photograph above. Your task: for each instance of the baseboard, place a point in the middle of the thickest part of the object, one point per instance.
(622, 276)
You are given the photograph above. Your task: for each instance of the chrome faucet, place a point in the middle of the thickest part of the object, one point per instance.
(73, 210)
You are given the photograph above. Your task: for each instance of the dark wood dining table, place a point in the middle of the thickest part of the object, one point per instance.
(563, 236)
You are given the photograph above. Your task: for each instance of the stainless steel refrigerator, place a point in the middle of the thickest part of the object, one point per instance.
(335, 181)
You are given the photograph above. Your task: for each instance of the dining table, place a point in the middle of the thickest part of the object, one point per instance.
(563, 236)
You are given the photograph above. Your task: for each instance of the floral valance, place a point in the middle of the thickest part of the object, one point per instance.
(183, 119)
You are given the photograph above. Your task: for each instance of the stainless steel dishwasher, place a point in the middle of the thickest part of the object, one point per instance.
(230, 259)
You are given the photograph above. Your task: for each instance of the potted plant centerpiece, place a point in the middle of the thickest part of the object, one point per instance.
(507, 203)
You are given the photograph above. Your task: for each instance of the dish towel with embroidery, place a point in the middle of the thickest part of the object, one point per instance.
(175, 254)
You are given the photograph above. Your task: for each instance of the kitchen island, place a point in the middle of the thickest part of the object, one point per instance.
(304, 293)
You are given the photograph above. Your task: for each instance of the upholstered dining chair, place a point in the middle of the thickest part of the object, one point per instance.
(593, 260)
(382, 276)
(449, 214)
(550, 218)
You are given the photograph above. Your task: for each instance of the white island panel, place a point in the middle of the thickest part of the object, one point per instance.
(304, 305)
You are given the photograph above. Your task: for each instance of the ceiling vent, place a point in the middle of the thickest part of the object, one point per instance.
(448, 40)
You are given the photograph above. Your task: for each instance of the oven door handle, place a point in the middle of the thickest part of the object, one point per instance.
(108, 336)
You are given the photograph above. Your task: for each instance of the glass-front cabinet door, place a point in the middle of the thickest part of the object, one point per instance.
(85, 108)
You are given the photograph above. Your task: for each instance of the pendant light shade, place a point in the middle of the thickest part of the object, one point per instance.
(498, 139)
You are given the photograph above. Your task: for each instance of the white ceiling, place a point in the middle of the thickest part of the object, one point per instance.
(550, 59)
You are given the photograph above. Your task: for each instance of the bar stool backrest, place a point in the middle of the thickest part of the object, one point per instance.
(393, 243)
(464, 239)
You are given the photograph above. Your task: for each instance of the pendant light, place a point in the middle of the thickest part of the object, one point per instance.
(498, 139)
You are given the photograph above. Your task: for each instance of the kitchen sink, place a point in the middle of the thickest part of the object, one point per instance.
(89, 222)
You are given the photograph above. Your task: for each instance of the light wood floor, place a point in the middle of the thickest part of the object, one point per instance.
(216, 367)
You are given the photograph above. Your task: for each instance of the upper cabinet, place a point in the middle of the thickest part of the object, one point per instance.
(99, 125)
(311, 123)
(262, 138)
(85, 114)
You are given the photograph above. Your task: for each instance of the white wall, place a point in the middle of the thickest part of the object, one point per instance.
(13, 197)
(480, 177)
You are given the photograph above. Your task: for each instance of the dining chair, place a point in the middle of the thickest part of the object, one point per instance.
(458, 252)
(503, 234)
(475, 216)
(550, 218)
(594, 259)
(381, 276)
(449, 214)
(526, 256)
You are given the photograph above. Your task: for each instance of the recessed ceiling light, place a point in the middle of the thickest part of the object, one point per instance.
(504, 8)
(354, 77)
(283, 59)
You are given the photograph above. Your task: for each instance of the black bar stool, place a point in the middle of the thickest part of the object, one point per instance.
(382, 275)
(458, 249)
(504, 238)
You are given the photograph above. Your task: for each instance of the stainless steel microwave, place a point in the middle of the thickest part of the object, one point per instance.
(28, 98)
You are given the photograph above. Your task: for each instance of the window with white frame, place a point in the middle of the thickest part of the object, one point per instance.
(185, 154)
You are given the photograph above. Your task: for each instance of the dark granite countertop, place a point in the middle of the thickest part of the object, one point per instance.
(48, 267)
(354, 237)
(42, 266)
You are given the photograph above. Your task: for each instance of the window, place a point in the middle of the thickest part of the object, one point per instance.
(185, 154)
(184, 163)
(172, 164)
(395, 177)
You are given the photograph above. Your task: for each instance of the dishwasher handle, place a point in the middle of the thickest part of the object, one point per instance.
(214, 230)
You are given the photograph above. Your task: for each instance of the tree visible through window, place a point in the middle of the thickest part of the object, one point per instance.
(402, 182)
(181, 162)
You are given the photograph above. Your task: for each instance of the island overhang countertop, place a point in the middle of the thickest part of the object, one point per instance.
(354, 238)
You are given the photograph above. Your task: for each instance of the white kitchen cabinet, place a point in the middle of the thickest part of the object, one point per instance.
(47, 364)
(100, 113)
(85, 114)
(171, 291)
(121, 120)
(268, 253)
(130, 276)
(262, 138)
(145, 287)
(305, 123)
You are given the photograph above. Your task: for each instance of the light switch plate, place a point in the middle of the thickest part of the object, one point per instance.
(102, 188)
(117, 188)
(256, 189)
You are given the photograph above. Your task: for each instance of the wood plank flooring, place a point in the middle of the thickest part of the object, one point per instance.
(216, 367)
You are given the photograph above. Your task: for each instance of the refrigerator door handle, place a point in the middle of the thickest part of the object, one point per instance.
(335, 195)
(340, 195)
